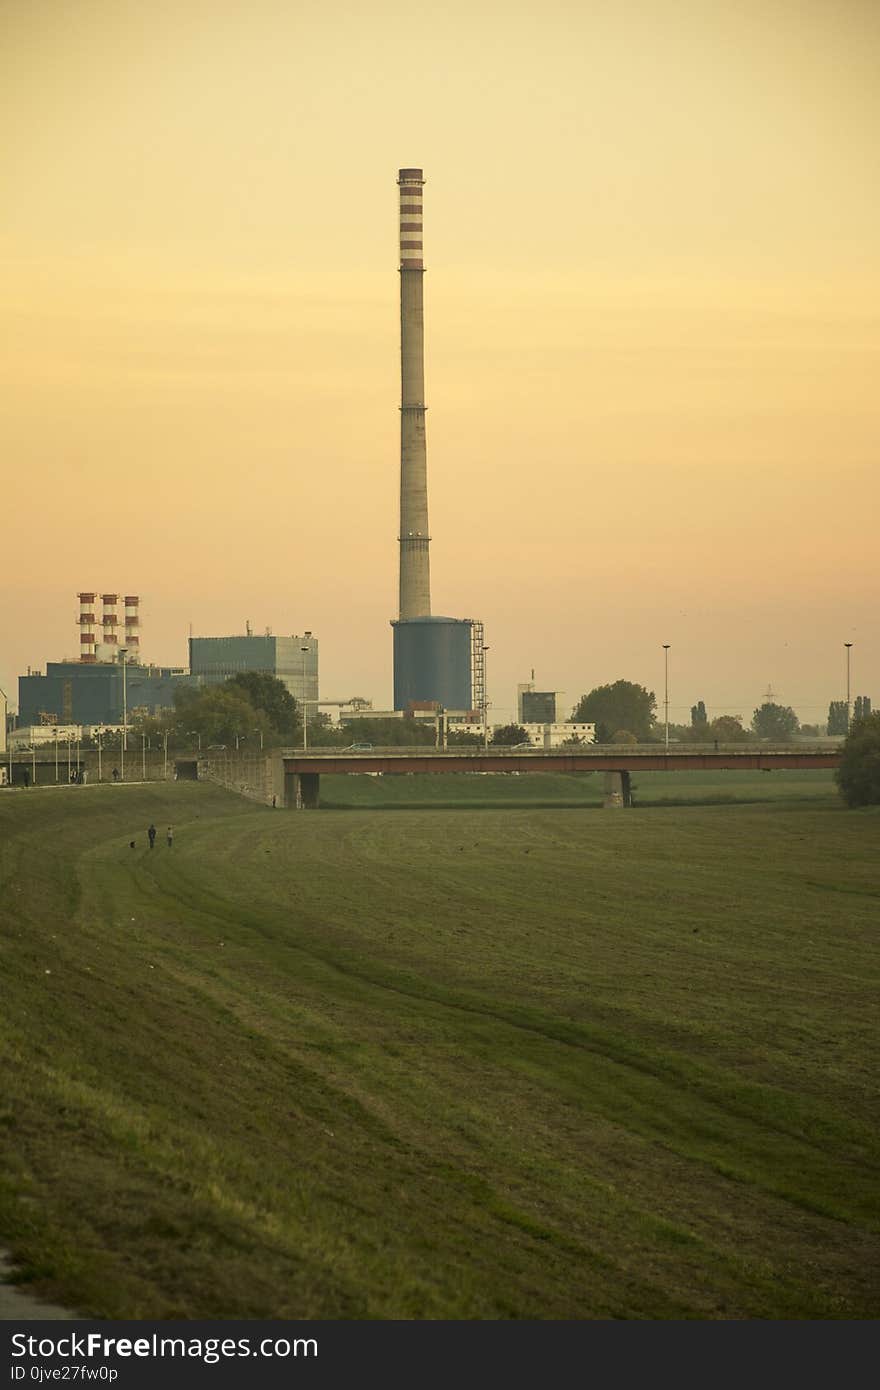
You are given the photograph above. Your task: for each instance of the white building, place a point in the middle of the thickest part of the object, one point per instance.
(555, 735)
(34, 735)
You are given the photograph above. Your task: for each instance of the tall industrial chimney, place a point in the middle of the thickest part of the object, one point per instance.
(415, 570)
(110, 618)
(132, 626)
(87, 627)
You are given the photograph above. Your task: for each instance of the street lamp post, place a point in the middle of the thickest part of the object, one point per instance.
(34, 764)
(666, 646)
(4, 713)
(123, 652)
(848, 645)
(165, 754)
(260, 732)
(55, 732)
(304, 650)
(485, 705)
(100, 769)
(69, 769)
(143, 757)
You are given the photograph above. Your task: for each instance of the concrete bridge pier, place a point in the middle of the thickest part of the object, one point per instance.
(618, 791)
(302, 791)
(309, 791)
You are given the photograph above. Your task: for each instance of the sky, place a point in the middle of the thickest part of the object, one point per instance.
(652, 234)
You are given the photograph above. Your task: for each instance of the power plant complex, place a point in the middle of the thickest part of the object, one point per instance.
(439, 662)
(436, 660)
(110, 678)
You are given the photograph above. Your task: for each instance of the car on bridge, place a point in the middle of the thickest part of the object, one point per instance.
(359, 748)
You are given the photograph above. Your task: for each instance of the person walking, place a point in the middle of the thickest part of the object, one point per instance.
(170, 836)
(151, 834)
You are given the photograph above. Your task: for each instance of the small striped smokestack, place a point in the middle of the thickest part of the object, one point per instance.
(87, 637)
(415, 570)
(132, 625)
(110, 619)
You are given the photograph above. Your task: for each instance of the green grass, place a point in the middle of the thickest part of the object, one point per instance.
(555, 790)
(527, 1063)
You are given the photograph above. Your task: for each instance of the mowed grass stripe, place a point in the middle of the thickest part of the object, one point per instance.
(559, 1167)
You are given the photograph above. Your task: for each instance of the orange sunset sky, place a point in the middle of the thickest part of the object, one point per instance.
(652, 233)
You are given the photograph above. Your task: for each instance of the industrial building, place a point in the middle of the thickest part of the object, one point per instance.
(73, 692)
(109, 683)
(292, 660)
(438, 659)
(435, 658)
(538, 706)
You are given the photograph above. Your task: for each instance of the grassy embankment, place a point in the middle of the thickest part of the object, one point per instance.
(522, 1063)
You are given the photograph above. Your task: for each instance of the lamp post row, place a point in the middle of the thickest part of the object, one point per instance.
(124, 651)
(666, 646)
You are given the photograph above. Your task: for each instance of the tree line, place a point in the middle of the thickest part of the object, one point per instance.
(253, 708)
(626, 712)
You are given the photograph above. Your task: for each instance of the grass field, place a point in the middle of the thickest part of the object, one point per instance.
(552, 791)
(543, 1061)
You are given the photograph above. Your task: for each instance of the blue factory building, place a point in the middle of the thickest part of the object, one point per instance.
(73, 692)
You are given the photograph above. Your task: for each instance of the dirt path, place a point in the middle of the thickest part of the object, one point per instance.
(16, 1306)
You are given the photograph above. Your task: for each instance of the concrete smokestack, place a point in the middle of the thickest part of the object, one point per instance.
(87, 638)
(132, 625)
(415, 570)
(110, 619)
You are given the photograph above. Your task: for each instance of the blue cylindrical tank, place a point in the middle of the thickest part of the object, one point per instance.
(432, 661)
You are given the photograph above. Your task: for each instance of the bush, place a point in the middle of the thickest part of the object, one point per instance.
(858, 777)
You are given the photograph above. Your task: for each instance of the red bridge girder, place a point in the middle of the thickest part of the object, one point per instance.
(752, 760)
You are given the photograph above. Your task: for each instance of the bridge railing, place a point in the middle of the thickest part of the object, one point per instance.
(599, 750)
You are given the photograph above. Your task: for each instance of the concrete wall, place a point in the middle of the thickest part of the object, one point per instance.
(255, 776)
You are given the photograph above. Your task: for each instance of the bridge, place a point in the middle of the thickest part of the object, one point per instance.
(297, 773)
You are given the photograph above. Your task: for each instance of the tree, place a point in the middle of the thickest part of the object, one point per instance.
(269, 694)
(462, 738)
(223, 714)
(862, 707)
(622, 705)
(391, 733)
(858, 776)
(508, 735)
(623, 736)
(837, 717)
(699, 717)
(323, 733)
(727, 728)
(776, 722)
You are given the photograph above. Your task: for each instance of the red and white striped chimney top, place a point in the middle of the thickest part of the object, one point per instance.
(410, 182)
